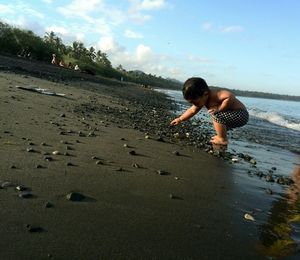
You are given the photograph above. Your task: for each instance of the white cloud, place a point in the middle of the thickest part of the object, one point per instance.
(232, 29)
(109, 45)
(137, 7)
(48, 1)
(152, 4)
(133, 35)
(6, 9)
(143, 53)
(57, 29)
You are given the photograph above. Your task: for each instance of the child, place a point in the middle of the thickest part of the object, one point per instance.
(225, 109)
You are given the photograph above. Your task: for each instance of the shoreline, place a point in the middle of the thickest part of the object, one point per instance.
(146, 195)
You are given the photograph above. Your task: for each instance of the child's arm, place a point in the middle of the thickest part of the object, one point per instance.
(193, 110)
(226, 100)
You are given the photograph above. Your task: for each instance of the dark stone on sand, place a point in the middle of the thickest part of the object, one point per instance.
(48, 158)
(99, 162)
(135, 165)
(132, 152)
(25, 195)
(13, 167)
(49, 205)
(75, 196)
(21, 188)
(274, 168)
(162, 172)
(69, 164)
(39, 166)
(63, 115)
(34, 229)
(30, 150)
(6, 184)
(160, 139)
(176, 153)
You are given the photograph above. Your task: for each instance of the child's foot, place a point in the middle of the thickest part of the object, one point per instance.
(218, 140)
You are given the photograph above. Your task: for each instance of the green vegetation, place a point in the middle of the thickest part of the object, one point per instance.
(24, 43)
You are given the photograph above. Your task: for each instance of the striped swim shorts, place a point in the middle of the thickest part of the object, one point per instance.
(231, 118)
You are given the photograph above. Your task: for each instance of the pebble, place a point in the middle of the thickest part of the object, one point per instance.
(249, 217)
(99, 162)
(48, 158)
(162, 172)
(49, 205)
(34, 229)
(135, 165)
(69, 164)
(6, 184)
(56, 153)
(75, 196)
(30, 150)
(25, 195)
(39, 166)
(176, 153)
(20, 188)
(132, 152)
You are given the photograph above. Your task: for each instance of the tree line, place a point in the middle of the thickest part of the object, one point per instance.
(24, 43)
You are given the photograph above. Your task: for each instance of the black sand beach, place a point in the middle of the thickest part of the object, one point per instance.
(135, 191)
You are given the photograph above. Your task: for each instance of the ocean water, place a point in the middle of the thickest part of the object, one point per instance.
(272, 122)
(272, 137)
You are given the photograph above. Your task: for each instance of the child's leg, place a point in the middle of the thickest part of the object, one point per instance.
(221, 137)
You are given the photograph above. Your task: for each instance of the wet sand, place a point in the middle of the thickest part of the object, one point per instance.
(141, 199)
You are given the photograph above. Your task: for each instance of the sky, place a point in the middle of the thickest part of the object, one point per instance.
(237, 44)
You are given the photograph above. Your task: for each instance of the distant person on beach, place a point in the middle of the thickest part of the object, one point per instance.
(76, 67)
(225, 109)
(54, 61)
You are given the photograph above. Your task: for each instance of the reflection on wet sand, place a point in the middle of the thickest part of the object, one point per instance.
(280, 235)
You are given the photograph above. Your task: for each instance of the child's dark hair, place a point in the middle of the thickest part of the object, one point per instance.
(194, 88)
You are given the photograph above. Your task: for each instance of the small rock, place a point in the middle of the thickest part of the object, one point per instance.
(39, 166)
(99, 162)
(132, 152)
(6, 184)
(48, 205)
(135, 165)
(62, 115)
(162, 172)
(75, 196)
(25, 195)
(69, 164)
(48, 158)
(34, 229)
(249, 217)
(13, 167)
(252, 161)
(172, 196)
(20, 188)
(56, 153)
(30, 150)
(176, 153)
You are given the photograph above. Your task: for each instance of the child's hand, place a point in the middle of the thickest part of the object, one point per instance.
(213, 111)
(176, 121)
